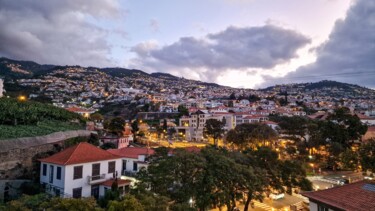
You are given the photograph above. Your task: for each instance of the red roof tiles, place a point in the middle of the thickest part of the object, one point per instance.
(131, 152)
(351, 197)
(80, 153)
(120, 182)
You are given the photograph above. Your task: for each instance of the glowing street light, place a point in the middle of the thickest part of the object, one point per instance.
(21, 98)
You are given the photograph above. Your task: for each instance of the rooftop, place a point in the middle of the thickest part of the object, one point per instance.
(80, 153)
(131, 152)
(358, 196)
(120, 182)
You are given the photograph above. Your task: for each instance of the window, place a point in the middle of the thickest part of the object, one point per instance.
(322, 208)
(111, 167)
(58, 173)
(44, 169)
(77, 192)
(135, 166)
(51, 174)
(95, 169)
(77, 172)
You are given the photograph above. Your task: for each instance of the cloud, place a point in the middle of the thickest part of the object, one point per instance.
(216, 53)
(348, 55)
(56, 32)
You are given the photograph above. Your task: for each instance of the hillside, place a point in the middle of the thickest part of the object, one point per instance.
(333, 88)
(13, 69)
(28, 119)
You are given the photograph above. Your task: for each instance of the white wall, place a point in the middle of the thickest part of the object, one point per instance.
(56, 182)
(1, 87)
(313, 206)
(70, 184)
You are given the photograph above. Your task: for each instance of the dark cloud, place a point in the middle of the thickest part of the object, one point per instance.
(55, 32)
(349, 54)
(233, 48)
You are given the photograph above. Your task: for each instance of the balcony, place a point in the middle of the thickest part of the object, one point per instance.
(129, 173)
(96, 179)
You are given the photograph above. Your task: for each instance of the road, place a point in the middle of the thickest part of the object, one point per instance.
(271, 205)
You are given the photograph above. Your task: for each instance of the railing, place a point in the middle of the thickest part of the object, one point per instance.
(54, 190)
(129, 173)
(95, 179)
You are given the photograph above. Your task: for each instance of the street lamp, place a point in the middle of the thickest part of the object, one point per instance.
(191, 202)
(21, 98)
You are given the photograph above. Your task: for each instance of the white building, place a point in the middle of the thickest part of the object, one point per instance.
(82, 170)
(133, 159)
(193, 127)
(1, 87)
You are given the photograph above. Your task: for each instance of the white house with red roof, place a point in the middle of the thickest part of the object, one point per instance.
(366, 119)
(82, 170)
(133, 158)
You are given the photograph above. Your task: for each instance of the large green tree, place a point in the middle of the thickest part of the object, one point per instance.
(215, 129)
(367, 155)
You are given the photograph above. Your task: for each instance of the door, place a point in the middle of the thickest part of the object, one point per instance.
(95, 191)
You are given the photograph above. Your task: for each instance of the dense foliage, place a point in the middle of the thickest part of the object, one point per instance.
(43, 128)
(216, 177)
(15, 112)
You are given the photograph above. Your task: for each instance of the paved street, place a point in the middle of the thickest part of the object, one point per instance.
(271, 205)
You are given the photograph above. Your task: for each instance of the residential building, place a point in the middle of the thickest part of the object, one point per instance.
(127, 137)
(82, 170)
(193, 127)
(358, 196)
(133, 158)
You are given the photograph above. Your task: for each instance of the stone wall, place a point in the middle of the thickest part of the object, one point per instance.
(16, 154)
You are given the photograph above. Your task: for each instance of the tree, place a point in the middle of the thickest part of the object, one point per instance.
(245, 135)
(135, 128)
(67, 204)
(116, 125)
(294, 126)
(183, 111)
(215, 129)
(93, 139)
(347, 127)
(129, 203)
(349, 159)
(26, 202)
(367, 155)
(96, 117)
(232, 96)
(108, 145)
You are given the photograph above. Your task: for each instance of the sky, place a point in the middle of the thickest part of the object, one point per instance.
(238, 43)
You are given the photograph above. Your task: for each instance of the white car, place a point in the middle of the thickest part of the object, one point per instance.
(368, 178)
(276, 196)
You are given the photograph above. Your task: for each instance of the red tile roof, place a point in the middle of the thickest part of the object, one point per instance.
(79, 110)
(80, 153)
(131, 152)
(364, 117)
(120, 182)
(350, 197)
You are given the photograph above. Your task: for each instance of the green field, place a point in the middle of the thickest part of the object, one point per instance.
(43, 128)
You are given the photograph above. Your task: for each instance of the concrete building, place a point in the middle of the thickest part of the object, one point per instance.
(193, 127)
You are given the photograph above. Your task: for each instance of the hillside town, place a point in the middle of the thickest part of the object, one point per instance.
(130, 118)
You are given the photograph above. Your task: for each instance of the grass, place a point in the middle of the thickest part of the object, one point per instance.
(43, 128)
